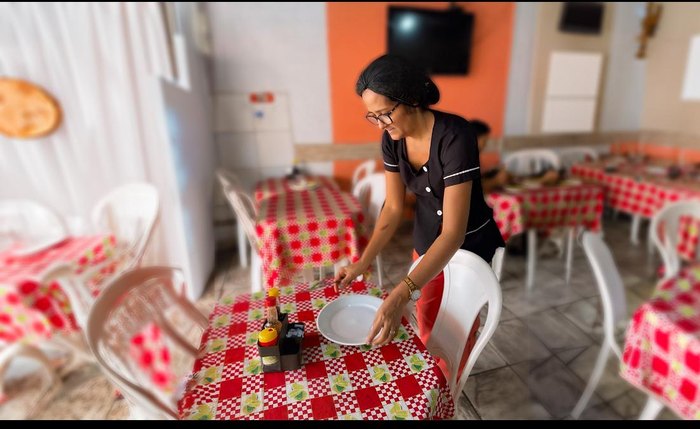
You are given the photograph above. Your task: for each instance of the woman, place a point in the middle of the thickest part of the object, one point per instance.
(435, 155)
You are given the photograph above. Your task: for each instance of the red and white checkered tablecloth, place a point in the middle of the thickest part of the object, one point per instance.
(633, 192)
(662, 347)
(29, 311)
(308, 229)
(397, 381)
(281, 185)
(546, 208)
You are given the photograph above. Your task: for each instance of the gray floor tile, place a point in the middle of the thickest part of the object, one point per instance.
(515, 343)
(500, 394)
(611, 385)
(545, 294)
(464, 410)
(553, 385)
(600, 412)
(488, 359)
(585, 315)
(556, 331)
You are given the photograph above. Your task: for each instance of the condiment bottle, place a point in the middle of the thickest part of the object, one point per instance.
(271, 315)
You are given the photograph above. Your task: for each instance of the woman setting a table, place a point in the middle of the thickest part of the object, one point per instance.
(435, 155)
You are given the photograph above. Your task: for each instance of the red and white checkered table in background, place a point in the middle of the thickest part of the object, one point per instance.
(645, 198)
(278, 186)
(397, 381)
(308, 229)
(662, 346)
(546, 208)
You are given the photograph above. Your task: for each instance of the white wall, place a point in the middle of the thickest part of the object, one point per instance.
(188, 113)
(520, 72)
(624, 80)
(268, 47)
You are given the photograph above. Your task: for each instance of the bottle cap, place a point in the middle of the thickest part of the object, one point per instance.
(267, 337)
(273, 292)
(270, 301)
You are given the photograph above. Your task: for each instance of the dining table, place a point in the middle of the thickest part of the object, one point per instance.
(567, 204)
(31, 310)
(304, 227)
(397, 381)
(661, 354)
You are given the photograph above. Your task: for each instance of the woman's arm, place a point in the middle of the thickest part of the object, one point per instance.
(455, 212)
(384, 228)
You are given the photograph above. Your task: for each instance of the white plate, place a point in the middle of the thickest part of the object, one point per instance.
(348, 319)
(303, 185)
(38, 246)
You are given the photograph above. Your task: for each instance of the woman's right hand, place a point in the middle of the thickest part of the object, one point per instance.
(349, 273)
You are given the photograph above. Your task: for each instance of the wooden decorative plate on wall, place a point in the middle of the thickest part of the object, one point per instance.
(26, 111)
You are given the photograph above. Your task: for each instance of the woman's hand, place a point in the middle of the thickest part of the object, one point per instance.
(349, 273)
(388, 317)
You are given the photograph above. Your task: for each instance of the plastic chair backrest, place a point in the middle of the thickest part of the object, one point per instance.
(610, 286)
(29, 221)
(371, 192)
(129, 303)
(572, 155)
(531, 161)
(470, 283)
(363, 170)
(666, 240)
(497, 262)
(129, 212)
(242, 204)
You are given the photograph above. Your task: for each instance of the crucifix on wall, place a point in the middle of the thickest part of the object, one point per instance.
(649, 23)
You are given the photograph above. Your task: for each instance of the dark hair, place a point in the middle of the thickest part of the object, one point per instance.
(480, 127)
(400, 80)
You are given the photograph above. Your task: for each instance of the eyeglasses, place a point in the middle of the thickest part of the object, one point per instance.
(384, 118)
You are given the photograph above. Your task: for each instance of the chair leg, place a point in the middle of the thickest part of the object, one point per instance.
(255, 273)
(14, 350)
(242, 246)
(652, 409)
(321, 272)
(570, 253)
(634, 232)
(531, 258)
(379, 270)
(593, 381)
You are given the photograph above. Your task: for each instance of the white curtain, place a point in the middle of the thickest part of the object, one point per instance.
(102, 62)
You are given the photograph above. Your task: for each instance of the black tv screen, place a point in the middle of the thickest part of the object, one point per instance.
(437, 40)
(581, 17)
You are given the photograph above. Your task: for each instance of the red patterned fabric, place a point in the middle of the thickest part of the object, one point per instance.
(152, 356)
(306, 229)
(632, 191)
(397, 381)
(546, 208)
(30, 311)
(276, 186)
(662, 346)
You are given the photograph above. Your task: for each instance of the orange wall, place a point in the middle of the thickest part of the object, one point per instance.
(357, 35)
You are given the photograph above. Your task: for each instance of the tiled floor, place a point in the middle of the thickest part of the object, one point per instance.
(535, 366)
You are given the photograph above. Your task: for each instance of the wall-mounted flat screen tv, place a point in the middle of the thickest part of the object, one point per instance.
(437, 40)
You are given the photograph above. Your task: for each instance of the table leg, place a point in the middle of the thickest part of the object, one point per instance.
(634, 233)
(531, 257)
(652, 409)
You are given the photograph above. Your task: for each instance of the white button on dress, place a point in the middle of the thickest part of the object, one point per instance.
(427, 188)
(439, 212)
(425, 168)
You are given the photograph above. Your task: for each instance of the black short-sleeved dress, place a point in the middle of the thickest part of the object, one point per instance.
(454, 158)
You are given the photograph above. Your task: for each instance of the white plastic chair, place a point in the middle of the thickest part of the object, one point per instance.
(246, 213)
(10, 352)
(470, 283)
(228, 178)
(497, 262)
(129, 212)
(126, 306)
(612, 295)
(526, 162)
(363, 170)
(669, 218)
(29, 222)
(371, 192)
(571, 155)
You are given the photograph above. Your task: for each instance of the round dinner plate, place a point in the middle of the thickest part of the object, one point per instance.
(348, 319)
(303, 185)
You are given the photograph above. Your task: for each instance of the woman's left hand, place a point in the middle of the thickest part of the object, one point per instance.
(388, 317)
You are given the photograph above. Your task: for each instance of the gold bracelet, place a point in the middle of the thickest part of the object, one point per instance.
(411, 286)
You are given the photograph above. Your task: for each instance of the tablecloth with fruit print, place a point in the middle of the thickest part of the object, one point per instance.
(282, 185)
(308, 229)
(397, 381)
(643, 195)
(546, 208)
(662, 345)
(30, 311)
